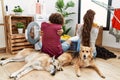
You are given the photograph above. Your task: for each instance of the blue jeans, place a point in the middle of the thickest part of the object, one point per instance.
(75, 46)
(95, 53)
(65, 46)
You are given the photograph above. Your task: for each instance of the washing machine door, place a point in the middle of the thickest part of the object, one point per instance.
(32, 32)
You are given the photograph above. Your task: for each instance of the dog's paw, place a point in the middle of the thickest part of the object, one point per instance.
(2, 63)
(15, 77)
(60, 69)
(52, 72)
(78, 74)
(102, 76)
(12, 76)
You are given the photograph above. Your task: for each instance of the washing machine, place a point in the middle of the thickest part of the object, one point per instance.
(34, 29)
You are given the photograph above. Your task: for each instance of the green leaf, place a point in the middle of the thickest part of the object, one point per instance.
(66, 14)
(68, 30)
(64, 28)
(69, 4)
(68, 21)
(61, 7)
(20, 25)
(17, 9)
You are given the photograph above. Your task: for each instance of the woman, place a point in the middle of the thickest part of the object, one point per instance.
(88, 32)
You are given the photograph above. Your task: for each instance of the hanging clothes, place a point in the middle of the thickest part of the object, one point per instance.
(115, 30)
(115, 22)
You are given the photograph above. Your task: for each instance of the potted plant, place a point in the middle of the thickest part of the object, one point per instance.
(20, 27)
(17, 10)
(62, 8)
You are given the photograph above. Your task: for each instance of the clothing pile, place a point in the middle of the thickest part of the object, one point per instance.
(104, 53)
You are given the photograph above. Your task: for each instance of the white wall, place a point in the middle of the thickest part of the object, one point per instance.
(29, 9)
(2, 37)
(29, 6)
(108, 39)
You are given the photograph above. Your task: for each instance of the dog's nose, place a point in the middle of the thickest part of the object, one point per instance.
(84, 56)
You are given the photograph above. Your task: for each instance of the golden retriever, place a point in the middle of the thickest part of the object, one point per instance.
(84, 59)
(34, 60)
(64, 60)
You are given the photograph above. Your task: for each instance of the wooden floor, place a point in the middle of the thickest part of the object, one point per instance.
(110, 68)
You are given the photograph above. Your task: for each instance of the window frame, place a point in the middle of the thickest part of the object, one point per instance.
(108, 14)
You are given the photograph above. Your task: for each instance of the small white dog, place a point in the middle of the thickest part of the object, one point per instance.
(34, 60)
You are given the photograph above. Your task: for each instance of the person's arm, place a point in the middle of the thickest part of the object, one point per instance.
(79, 30)
(94, 35)
(41, 33)
(59, 32)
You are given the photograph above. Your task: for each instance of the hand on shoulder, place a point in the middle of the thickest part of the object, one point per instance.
(59, 32)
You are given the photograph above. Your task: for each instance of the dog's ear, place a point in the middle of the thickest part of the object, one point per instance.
(81, 47)
(53, 58)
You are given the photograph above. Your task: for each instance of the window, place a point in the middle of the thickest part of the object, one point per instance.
(102, 16)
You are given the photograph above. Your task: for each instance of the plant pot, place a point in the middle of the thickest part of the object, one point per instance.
(18, 13)
(20, 30)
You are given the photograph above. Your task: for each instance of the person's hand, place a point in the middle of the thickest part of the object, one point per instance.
(59, 32)
(41, 33)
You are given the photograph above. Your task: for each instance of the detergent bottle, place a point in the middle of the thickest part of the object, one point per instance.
(38, 7)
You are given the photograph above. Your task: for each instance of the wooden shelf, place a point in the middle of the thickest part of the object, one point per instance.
(15, 41)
